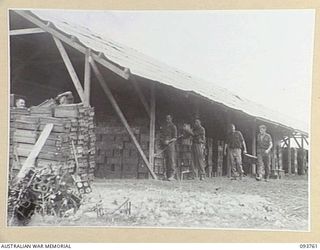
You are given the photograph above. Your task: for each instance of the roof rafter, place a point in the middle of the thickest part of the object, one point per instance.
(71, 42)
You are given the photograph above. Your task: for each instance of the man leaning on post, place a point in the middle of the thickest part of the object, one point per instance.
(264, 146)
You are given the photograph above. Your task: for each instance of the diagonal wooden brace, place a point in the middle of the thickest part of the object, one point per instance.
(70, 69)
(121, 116)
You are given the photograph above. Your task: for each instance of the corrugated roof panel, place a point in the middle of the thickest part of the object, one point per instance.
(147, 67)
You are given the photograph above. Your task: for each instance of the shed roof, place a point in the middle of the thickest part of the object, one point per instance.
(150, 68)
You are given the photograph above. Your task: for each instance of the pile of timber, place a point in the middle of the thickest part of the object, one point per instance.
(70, 146)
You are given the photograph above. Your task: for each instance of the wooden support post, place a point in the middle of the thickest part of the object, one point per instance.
(297, 141)
(294, 160)
(289, 156)
(87, 77)
(274, 165)
(121, 116)
(279, 158)
(210, 157)
(304, 160)
(70, 69)
(152, 125)
(140, 94)
(254, 147)
(305, 139)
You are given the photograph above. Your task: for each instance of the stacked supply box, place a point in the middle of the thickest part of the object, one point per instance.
(71, 140)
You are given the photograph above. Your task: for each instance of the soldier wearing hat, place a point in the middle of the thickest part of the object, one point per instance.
(20, 103)
(264, 146)
(169, 137)
(235, 143)
(65, 98)
(198, 134)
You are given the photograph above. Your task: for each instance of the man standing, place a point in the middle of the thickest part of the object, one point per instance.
(234, 144)
(198, 149)
(264, 146)
(169, 137)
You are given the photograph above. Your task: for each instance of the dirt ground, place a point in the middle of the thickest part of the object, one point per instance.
(213, 203)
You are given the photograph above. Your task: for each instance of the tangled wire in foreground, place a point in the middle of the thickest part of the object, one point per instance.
(46, 193)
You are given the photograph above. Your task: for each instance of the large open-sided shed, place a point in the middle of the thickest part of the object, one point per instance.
(49, 55)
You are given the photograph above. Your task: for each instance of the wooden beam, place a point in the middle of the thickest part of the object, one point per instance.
(152, 125)
(289, 157)
(29, 163)
(70, 69)
(139, 92)
(71, 42)
(254, 146)
(87, 77)
(295, 139)
(26, 31)
(121, 116)
(285, 141)
(305, 139)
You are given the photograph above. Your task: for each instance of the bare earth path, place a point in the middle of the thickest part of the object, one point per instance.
(213, 203)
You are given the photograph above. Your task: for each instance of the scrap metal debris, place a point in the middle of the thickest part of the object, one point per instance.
(45, 192)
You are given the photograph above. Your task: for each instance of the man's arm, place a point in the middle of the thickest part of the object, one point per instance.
(225, 149)
(270, 146)
(243, 143)
(202, 135)
(175, 134)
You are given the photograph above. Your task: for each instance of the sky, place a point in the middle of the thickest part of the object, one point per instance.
(265, 56)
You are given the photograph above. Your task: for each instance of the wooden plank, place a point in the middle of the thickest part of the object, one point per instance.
(87, 77)
(299, 145)
(26, 31)
(289, 157)
(34, 153)
(305, 139)
(140, 94)
(70, 69)
(254, 147)
(285, 141)
(152, 128)
(121, 116)
(27, 15)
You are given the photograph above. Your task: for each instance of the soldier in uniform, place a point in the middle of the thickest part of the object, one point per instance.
(198, 149)
(264, 146)
(169, 137)
(234, 144)
(65, 98)
(20, 103)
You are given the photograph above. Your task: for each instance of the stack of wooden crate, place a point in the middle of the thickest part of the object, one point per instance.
(185, 155)
(82, 136)
(116, 156)
(218, 159)
(71, 141)
(159, 161)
